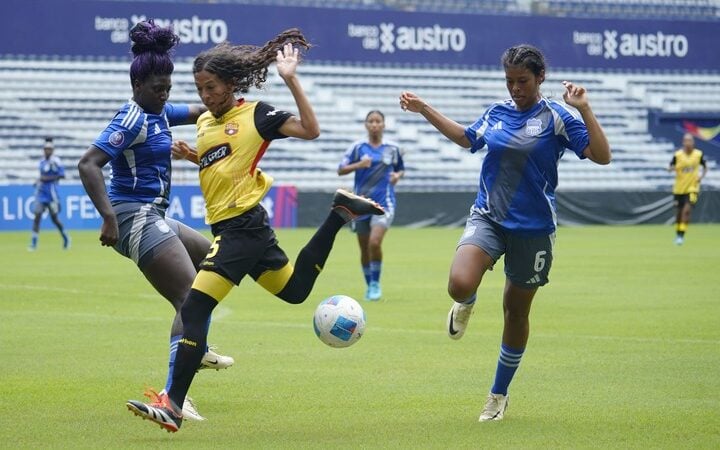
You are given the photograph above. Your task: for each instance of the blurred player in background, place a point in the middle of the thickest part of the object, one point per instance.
(514, 213)
(232, 139)
(686, 164)
(378, 165)
(137, 144)
(46, 194)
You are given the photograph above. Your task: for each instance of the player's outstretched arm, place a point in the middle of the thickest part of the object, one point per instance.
(306, 125)
(448, 127)
(598, 150)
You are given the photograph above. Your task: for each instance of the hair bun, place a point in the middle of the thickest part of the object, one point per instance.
(148, 37)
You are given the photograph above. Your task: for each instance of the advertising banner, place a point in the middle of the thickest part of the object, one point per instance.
(95, 28)
(77, 211)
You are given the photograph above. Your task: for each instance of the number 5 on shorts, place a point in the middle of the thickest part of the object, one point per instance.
(214, 247)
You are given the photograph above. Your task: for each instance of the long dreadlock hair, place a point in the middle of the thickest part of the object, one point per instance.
(246, 66)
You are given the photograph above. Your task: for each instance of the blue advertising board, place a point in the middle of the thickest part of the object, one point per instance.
(77, 211)
(100, 28)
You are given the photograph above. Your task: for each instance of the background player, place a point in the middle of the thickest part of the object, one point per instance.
(137, 144)
(46, 194)
(514, 212)
(378, 166)
(686, 164)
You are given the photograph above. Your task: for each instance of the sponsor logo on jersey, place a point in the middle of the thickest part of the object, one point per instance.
(214, 155)
(533, 127)
(116, 139)
(231, 128)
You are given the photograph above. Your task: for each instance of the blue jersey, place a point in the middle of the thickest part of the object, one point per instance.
(46, 191)
(138, 144)
(519, 173)
(374, 182)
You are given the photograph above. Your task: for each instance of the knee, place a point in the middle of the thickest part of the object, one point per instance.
(375, 245)
(460, 289)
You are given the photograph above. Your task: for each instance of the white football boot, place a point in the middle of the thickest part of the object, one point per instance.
(495, 407)
(458, 318)
(212, 360)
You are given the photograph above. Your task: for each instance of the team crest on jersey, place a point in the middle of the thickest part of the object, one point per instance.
(533, 127)
(231, 128)
(116, 139)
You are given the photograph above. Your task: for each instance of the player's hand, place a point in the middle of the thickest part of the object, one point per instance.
(365, 162)
(109, 232)
(411, 102)
(180, 149)
(287, 61)
(575, 95)
(394, 178)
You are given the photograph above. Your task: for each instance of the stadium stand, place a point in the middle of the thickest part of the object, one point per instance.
(73, 100)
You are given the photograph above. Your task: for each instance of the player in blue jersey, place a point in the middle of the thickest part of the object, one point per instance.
(46, 194)
(514, 212)
(378, 165)
(137, 144)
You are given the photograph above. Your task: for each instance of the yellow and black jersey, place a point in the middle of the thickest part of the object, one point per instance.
(687, 171)
(229, 149)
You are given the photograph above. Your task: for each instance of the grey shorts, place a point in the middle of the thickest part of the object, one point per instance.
(364, 225)
(142, 226)
(527, 259)
(53, 207)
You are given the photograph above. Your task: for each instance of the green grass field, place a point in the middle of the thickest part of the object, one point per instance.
(624, 351)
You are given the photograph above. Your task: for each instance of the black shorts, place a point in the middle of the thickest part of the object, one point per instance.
(243, 245)
(681, 199)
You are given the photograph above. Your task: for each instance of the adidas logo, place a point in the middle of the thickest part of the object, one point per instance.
(157, 129)
(497, 126)
(533, 280)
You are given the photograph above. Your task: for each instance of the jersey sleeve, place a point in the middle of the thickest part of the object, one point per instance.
(177, 114)
(121, 132)
(59, 167)
(673, 161)
(268, 121)
(571, 130)
(476, 132)
(352, 154)
(398, 163)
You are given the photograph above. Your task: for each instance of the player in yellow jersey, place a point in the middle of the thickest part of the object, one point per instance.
(686, 164)
(231, 139)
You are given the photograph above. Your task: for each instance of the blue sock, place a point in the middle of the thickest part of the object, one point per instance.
(470, 300)
(366, 274)
(508, 362)
(171, 365)
(34, 239)
(375, 269)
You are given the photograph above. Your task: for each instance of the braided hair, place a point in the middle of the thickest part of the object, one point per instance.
(524, 55)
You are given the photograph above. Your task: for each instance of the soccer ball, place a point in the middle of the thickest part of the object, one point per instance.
(339, 321)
